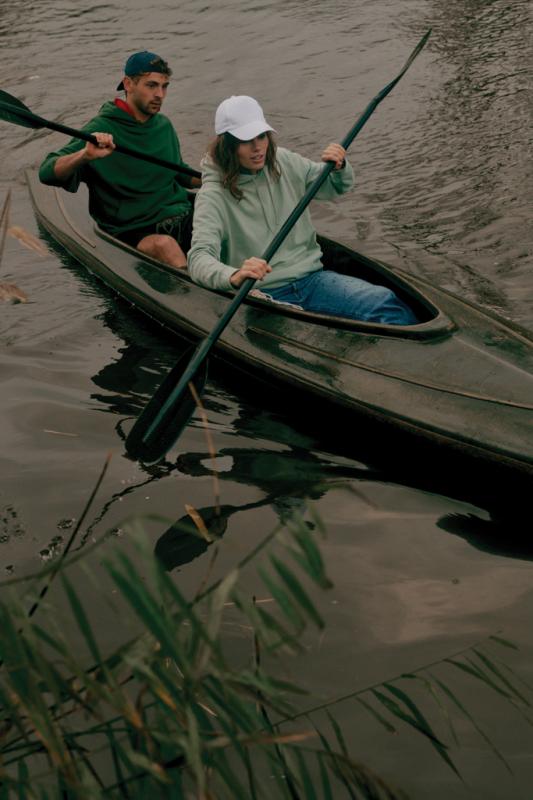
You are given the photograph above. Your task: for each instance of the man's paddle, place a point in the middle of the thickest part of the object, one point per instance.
(169, 410)
(13, 110)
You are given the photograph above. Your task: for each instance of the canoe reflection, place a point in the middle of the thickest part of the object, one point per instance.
(506, 537)
(289, 479)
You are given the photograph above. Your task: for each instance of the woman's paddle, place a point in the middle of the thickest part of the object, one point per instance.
(13, 110)
(183, 541)
(169, 410)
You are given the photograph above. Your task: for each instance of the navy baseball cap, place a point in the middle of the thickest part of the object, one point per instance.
(142, 62)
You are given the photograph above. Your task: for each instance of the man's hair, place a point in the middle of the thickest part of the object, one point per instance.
(223, 151)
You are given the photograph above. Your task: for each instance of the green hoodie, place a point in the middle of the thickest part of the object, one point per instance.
(126, 193)
(226, 231)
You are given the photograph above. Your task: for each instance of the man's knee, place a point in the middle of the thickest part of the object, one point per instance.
(167, 246)
(164, 248)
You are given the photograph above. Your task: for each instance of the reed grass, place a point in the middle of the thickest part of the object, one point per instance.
(169, 714)
(9, 292)
(175, 713)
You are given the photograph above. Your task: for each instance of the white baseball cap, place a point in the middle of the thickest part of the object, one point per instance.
(242, 116)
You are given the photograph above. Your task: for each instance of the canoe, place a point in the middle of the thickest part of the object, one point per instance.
(461, 379)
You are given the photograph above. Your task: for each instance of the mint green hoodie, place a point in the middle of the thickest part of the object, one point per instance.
(124, 192)
(226, 231)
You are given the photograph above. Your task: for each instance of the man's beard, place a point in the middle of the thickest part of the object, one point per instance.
(149, 110)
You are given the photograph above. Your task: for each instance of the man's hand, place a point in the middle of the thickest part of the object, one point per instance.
(104, 147)
(66, 166)
(255, 268)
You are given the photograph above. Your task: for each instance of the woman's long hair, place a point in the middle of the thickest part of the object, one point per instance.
(223, 151)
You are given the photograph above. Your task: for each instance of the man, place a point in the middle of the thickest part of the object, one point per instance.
(140, 203)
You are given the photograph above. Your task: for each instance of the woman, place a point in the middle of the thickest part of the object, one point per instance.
(249, 188)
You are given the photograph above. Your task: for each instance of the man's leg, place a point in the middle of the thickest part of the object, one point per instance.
(164, 248)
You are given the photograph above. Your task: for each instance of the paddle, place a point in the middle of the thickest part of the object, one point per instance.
(13, 110)
(169, 410)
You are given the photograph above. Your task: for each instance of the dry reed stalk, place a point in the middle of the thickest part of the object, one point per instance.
(209, 439)
(4, 222)
(8, 291)
(27, 239)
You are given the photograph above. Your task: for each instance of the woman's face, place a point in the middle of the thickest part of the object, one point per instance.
(252, 154)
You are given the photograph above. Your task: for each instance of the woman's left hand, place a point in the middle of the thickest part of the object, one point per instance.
(335, 152)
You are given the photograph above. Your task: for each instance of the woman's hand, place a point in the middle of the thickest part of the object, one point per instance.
(255, 268)
(335, 152)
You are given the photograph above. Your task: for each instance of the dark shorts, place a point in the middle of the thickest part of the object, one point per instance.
(180, 228)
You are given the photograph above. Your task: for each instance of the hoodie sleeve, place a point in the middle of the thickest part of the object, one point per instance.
(46, 170)
(209, 231)
(338, 181)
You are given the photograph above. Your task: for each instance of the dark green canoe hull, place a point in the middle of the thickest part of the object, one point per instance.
(462, 378)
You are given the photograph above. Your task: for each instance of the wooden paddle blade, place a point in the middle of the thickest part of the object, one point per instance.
(150, 446)
(13, 110)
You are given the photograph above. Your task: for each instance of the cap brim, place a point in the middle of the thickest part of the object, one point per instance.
(250, 130)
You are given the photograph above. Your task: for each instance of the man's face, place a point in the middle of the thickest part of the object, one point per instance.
(146, 93)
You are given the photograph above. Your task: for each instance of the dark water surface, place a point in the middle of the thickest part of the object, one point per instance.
(443, 189)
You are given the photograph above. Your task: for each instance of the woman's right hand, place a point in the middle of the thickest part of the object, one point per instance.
(255, 268)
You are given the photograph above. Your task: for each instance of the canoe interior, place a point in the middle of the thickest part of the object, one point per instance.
(342, 259)
(346, 261)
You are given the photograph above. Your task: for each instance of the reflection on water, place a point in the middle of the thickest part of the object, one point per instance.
(422, 567)
(504, 538)
(293, 472)
(288, 477)
(186, 539)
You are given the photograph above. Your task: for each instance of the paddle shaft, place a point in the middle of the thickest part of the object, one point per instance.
(204, 348)
(88, 137)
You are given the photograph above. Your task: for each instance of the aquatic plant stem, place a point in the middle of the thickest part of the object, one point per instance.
(4, 222)
(70, 542)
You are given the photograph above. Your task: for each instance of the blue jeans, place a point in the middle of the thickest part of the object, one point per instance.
(328, 292)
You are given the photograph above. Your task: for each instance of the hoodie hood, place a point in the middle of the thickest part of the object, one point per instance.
(211, 173)
(258, 192)
(110, 111)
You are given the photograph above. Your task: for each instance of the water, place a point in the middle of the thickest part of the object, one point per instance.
(443, 189)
